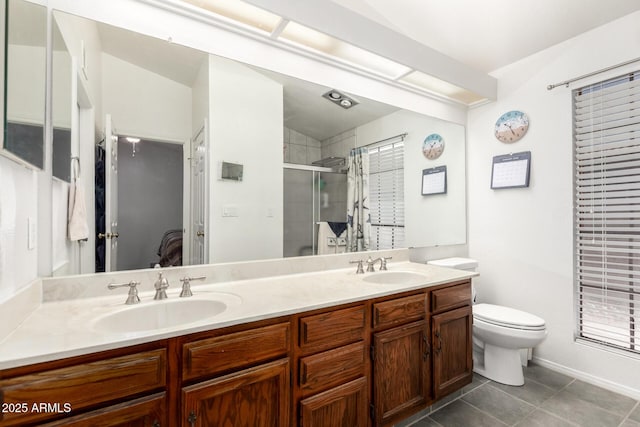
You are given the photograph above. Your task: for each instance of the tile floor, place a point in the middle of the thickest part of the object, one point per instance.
(547, 399)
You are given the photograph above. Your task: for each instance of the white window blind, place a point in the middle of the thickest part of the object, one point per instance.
(386, 195)
(607, 211)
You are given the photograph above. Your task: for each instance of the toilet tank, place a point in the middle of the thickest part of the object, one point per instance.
(467, 264)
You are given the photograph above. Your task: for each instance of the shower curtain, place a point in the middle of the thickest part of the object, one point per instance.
(358, 218)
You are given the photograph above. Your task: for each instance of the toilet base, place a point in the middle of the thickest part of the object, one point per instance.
(502, 365)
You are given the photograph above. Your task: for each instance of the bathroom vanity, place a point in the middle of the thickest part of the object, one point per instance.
(367, 349)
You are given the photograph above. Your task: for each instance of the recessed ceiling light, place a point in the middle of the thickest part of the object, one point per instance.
(340, 99)
(346, 103)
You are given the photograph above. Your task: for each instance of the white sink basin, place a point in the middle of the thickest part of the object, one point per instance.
(395, 278)
(158, 315)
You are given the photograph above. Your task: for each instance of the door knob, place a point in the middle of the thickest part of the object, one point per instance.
(108, 235)
(200, 234)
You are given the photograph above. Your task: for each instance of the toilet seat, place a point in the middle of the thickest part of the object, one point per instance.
(507, 317)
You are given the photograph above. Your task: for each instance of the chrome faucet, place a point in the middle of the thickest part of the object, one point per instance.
(359, 270)
(383, 263)
(161, 286)
(132, 297)
(186, 285)
(371, 263)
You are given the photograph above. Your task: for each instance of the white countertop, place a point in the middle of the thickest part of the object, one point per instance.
(60, 329)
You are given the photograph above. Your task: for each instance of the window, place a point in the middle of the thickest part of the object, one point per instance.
(386, 195)
(607, 211)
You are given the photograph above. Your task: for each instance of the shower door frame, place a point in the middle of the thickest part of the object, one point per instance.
(313, 170)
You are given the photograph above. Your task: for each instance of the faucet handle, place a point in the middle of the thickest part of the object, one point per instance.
(186, 285)
(383, 262)
(132, 297)
(370, 263)
(360, 270)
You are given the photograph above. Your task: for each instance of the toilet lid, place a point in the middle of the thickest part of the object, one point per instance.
(507, 317)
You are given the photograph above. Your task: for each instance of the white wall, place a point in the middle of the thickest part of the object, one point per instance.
(200, 97)
(18, 202)
(246, 127)
(435, 220)
(145, 104)
(523, 238)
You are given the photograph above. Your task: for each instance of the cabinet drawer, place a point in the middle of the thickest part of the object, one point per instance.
(330, 368)
(332, 329)
(451, 297)
(399, 310)
(84, 385)
(237, 350)
(146, 411)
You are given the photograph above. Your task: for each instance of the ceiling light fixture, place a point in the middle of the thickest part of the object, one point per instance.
(240, 12)
(340, 99)
(243, 15)
(338, 50)
(133, 140)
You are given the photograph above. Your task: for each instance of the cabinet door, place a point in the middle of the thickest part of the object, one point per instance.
(254, 397)
(402, 374)
(144, 412)
(342, 406)
(452, 350)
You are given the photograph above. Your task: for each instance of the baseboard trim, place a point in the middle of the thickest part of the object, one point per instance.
(588, 378)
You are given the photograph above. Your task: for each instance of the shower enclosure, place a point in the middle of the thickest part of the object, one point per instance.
(312, 194)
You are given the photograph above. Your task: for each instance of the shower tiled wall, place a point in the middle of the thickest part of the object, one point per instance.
(339, 145)
(299, 148)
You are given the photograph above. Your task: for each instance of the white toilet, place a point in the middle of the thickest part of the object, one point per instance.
(499, 333)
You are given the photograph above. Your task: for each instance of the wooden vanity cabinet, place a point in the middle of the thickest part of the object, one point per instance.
(331, 367)
(451, 337)
(368, 363)
(237, 377)
(401, 358)
(91, 386)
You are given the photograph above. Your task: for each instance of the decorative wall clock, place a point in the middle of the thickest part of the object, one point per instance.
(433, 146)
(511, 126)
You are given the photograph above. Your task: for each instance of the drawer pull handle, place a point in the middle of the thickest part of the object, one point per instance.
(426, 347)
(156, 423)
(192, 419)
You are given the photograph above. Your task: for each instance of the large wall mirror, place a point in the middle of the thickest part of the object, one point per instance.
(25, 55)
(167, 118)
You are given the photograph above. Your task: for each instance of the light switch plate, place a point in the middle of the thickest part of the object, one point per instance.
(230, 211)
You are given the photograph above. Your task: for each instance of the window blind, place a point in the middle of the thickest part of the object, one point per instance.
(607, 211)
(386, 195)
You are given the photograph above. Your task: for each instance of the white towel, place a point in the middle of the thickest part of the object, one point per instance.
(326, 239)
(77, 226)
(328, 242)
